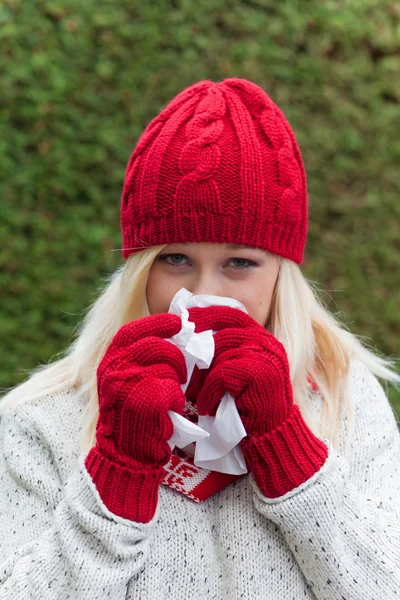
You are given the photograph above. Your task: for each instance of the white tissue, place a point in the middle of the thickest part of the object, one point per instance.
(217, 438)
(221, 450)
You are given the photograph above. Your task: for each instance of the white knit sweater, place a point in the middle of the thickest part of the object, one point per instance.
(337, 537)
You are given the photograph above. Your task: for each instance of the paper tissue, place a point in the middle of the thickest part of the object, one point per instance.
(217, 438)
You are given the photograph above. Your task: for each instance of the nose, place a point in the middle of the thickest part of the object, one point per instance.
(206, 285)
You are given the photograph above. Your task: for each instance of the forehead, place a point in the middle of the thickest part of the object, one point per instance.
(238, 247)
(229, 246)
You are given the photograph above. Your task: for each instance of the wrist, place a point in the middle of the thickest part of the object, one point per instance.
(284, 458)
(129, 492)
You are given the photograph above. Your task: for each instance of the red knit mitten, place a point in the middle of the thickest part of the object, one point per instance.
(138, 380)
(251, 364)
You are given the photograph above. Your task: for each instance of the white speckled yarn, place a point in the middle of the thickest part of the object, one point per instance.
(337, 537)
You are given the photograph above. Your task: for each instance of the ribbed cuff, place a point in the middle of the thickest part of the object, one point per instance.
(128, 493)
(286, 457)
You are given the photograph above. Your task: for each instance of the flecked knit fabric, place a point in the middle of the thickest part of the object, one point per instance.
(336, 537)
(220, 163)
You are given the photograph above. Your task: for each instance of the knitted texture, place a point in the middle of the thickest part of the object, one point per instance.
(252, 365)
(220, 163)
(335, 537)
(139, 379)
(181, 474)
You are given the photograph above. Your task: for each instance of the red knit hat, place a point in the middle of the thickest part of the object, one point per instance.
(220, 163)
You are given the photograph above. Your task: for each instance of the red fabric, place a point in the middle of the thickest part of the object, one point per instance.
(181, 474)
(139, 379)
(198, 484)
(220, 163)
(251, 364)
(312, 383)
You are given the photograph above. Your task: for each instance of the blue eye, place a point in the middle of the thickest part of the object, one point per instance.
(250, 263)
(164, 257)
(180, 260)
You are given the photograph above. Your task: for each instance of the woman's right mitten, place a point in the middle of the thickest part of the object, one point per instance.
(138, 381)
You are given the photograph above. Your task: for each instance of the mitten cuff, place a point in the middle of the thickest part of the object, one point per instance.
(126, 492)
(286, 457)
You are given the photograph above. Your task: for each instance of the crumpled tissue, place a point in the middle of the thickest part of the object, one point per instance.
(217, 438)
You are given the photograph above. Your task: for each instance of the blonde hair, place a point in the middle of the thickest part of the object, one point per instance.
(316, 343)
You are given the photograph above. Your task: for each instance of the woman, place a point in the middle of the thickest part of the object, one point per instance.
(95, 504)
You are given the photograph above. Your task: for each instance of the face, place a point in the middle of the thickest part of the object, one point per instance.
(240, 272)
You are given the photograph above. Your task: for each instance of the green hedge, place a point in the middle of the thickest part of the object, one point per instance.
(79, 82)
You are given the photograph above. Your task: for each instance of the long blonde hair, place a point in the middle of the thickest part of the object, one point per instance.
(316, 343)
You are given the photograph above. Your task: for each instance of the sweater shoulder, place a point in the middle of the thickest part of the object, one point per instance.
(63, 410)
(374, 420)
(367, 392)
(50, 425)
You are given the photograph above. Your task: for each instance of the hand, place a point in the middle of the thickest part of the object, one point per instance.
(204, 320)
(138, 380)
(252, 365)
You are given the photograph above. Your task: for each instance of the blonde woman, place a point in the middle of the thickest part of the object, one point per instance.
(93, 502)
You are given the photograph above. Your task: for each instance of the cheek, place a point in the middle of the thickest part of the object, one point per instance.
(257, 299)
(258, 309)
(159, 291)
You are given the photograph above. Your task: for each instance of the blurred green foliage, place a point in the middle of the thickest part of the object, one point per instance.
(79, 82)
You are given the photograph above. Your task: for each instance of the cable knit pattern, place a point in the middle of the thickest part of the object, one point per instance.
(200, 159)
(138, 380)
(220, 163)
(335, 537)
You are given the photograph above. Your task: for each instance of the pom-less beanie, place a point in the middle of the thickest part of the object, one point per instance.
(220, 163)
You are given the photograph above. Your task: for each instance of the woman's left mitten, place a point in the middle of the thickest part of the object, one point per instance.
(252, 365)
